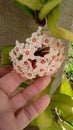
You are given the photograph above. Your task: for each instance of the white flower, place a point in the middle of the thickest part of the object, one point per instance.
(51, 68)
(46, 41)
(18, 66)
(49, 71)
(18, 49)
(28, 52)
(30, 75)
(12, 56)
(41, 60)
(26, 65)
(20, 45)
(41, 66)
(34, 40)
(57, 44)
(53, 54)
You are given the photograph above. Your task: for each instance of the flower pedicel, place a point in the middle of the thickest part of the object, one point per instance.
(39, 55)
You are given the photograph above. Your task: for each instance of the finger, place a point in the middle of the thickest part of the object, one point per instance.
(30, 92)
(5, 69)
(25, 116)
(10, 82)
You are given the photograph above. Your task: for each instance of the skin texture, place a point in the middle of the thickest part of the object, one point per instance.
(13, 116)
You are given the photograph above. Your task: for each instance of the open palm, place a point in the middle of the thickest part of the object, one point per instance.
(15, 114)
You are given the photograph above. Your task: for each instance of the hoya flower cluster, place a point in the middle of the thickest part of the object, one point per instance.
(39, 55)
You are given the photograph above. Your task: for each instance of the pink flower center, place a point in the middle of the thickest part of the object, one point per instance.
(34, 40)
(17, 49)
(46, 41)
(27, 52)
(29, 74)
(42, 61)
(26, 62)
(53, 57)
(41, 70)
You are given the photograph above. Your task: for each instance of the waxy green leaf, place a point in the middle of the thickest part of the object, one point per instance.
(5, 55)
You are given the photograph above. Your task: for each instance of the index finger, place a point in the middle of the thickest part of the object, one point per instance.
(5, 69)
(10, 82)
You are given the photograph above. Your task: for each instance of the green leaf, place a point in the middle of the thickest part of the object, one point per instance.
(69, 118)
(32, 4)
(58, 97)
(26, 10)
(64, 34)
(34, 122)
(43, 1)
(54, 126)
(65, 109)
(53, 18)
(72, 43)
(65, 125)
(23, 85)
(26, 83)
(65, 87)
(62, 102)
(44, 120)
(5, 55)
(48, 6)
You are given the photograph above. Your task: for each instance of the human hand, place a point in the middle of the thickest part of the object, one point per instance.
(13, 116)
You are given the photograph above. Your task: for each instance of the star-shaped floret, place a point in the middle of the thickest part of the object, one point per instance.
(28, 52)
(46, 41)
(18, 49)
(35, 40)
